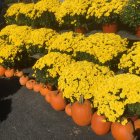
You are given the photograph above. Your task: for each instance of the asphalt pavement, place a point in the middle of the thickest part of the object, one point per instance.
(25, 115)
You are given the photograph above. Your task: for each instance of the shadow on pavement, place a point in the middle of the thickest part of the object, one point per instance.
(8, 87)
(5, 109)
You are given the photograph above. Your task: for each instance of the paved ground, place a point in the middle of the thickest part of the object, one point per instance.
(26, 116)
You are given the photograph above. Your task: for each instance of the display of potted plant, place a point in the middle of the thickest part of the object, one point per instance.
(122, 106)
(104, 49)
(131, 15)
(75, 72)
(49, 67)
(73, 13)
(77, 83)
(40, 14)
(106, 13)
(9, 59)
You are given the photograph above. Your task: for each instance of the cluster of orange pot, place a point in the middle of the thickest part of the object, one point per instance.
(8, 73)
(81, 113)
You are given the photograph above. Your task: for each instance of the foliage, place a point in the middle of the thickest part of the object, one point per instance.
(132, 109)
(131, 14)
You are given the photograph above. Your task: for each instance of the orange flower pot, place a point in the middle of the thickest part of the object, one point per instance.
(68, 109)
(99, 126)
(44, 90)
(110, 28)
(138, 31)
(23, 80)
(134, 118)
(37, 87)
(82, 113)
(2, 71)
(58, 103)
(9, 73)
(50, 87)
(80, 30)
(48, 96)
(122, 132)
(137, 127)
(30, 84)
(18, 73)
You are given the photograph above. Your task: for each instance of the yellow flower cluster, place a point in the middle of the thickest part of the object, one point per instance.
(113, 94)
(79, 78)
(103, 46)
(65, 42)
(14, 10)
(72, 8)
(40, 38)
(46, 5)
(130, 61)
(105, 8)
(8, 55)
(27, 10)
(28, 37)
(32, 10)
(6, 31)
(54, 63)
(2, 43)
(15, 35)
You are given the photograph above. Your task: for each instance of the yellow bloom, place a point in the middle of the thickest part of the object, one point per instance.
(79, 78)
(131, 61)
(113, 94)
(53, 63)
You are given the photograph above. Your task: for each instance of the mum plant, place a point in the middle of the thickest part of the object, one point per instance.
(104, 49)
(131, 14)
(48, 68)
(40, 40)
(12, 13)
(40, 14)
(10, 56)
(66, 42)
(73, 12)
(15, 35)
(77, 80)
(130, 62)
(106, 11)
(44, 13)
(32, 40)
(118, 97)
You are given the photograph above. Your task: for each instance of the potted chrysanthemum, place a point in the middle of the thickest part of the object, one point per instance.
(106, 13)
(73, 14)
(131, 15)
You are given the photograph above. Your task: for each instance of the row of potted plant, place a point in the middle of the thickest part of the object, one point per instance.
(76, 14)
(83, 108)
(100, 48)
(65, 68)
(82, 113)
(103, 49)
(32, 40)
